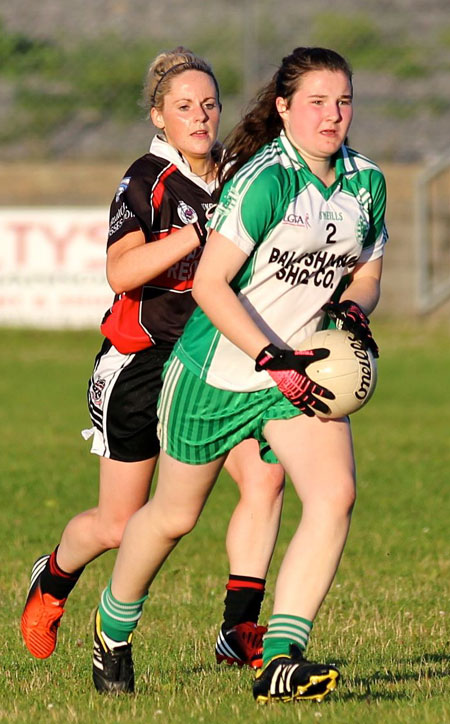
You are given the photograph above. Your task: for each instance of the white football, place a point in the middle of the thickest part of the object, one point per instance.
(350, 371)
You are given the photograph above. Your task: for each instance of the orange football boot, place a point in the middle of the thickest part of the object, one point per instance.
(41, 616)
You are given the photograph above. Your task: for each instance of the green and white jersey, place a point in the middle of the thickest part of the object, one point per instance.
(301, 239)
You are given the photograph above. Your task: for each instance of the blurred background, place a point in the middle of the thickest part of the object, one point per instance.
(71, 122)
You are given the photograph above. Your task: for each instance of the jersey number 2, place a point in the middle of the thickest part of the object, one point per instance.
(331, 228)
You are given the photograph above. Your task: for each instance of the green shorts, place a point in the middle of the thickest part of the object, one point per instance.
(199, 423)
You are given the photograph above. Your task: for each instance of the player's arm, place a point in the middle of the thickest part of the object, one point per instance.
(364, 288)
(219, 264)
(131, 262)
(221, 260)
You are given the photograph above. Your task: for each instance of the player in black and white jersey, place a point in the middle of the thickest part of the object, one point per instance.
(297, 239)
(156, 235)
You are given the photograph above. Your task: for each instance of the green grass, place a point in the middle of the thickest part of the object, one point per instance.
(385, 621)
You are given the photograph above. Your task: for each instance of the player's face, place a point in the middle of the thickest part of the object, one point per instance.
(190, 115)
(320, 113)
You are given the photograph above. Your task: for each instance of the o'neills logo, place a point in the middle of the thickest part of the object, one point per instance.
(366, 372)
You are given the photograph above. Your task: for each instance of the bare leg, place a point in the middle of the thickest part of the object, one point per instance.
(254, 524)
(318, 456)
(156, 528)
(124, 488)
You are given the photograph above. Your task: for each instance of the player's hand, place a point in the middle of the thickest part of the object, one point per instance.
(349, 316)
(287, 368)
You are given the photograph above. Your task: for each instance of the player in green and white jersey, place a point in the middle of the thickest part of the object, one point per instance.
(300, 239)
(297, 239)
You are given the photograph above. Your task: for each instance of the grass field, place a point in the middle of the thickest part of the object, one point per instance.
(386, 619)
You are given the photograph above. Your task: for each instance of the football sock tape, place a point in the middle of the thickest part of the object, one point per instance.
(284, 630)
(243, 600)
(55, 581)
(119, 619)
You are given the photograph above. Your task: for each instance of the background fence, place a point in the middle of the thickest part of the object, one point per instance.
(71, 72)
(70, 86)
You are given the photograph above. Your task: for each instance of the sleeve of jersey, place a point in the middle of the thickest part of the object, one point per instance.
(377, 236)
(123, 215)
(246, 210)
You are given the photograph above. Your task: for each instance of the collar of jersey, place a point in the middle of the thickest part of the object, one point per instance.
(342, 164)
(160, 147)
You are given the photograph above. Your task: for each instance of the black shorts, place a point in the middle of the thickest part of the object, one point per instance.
(122, 395)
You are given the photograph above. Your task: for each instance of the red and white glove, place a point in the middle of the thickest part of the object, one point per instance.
(287, 368)
(349, 316)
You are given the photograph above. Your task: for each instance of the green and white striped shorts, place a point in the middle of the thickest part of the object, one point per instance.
(199, 423)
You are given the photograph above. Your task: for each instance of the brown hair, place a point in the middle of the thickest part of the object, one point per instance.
(164, 68)
(262, 122)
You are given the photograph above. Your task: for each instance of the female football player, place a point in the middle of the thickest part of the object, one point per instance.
(300, 213)
(156, 237)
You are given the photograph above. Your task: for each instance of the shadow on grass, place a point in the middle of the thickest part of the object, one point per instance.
(381, 685)
(410, 670)
(436, 659)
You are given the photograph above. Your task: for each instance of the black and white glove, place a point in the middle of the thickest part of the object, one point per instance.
(287, 368)
(349, 316)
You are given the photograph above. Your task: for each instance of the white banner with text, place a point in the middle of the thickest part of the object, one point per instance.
(52, 267)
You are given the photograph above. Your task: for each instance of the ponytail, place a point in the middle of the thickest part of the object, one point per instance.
(262, 122)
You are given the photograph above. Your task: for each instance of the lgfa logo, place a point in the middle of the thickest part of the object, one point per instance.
(297, 220)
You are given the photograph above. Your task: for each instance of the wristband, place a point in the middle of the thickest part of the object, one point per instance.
(202, 234)
(267, 354)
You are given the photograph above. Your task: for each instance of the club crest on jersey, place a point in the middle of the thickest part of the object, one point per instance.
(97, 389)
(186, 213)
(122, 187)
(362, 228)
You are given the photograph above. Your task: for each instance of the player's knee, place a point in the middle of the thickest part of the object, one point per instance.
(184, 525)
(344, 498)
(176, 527)
(350, 501)
(262, 490)
(332, 502)
(110, 533)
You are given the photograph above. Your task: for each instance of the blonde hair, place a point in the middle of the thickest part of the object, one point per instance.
(166, 66)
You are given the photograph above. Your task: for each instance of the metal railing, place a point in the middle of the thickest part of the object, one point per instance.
(433, 259)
